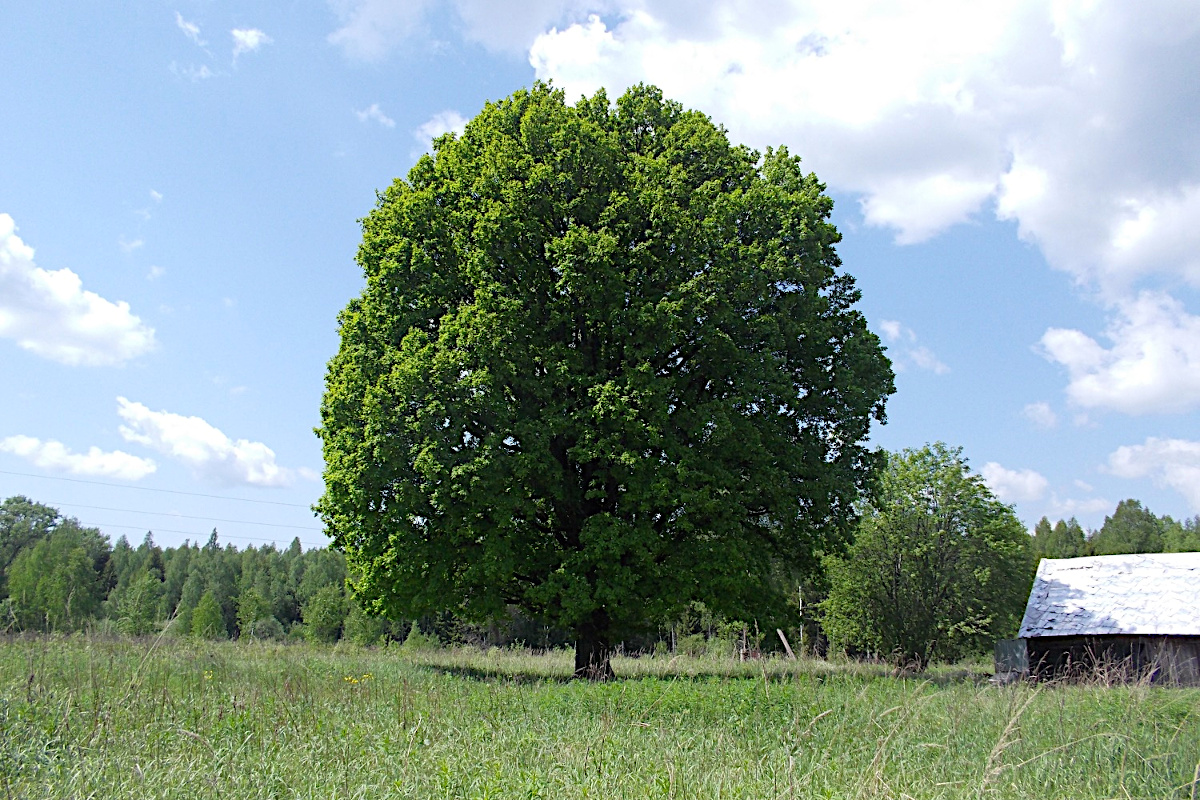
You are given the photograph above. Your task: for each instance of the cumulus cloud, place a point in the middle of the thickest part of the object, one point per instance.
(50, 314)
(248, 40)
(1040, 414)
(1152, 364)
(931, 111)
(1014, 485)
(905, 352)
(1173, 462)
(439, 123)
(56, 456)
(375, 113)
(203, 447)
(1075, 120)
(934, 112)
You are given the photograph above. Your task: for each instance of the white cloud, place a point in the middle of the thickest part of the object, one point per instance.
(193, 73)
(439, 123)
(1073, 119)
(1074, 507)
(55, 456)
(190, 29)
(888, 100)
(51, 315)
(371, 27)
(1014, 485)
(932, 111)
(155, 273)
(374, 112)
(204, 448)
(924, 358)
(920, 207)
(1153, 364)
(905, 352)
(248, 40)
(1174, 462)
(893, 330)
(1041, 414)
(129, 246)
(156, 196)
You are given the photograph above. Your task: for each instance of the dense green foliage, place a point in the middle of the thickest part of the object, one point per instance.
(122, 720)
(605, 365)
(68, 578)
(939, 568)
(1130, 529)
(1066, 539)
(60, 576)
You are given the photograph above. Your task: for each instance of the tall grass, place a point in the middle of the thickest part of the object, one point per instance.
(84, 717)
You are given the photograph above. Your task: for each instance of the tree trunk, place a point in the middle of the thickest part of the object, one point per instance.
(593, 652)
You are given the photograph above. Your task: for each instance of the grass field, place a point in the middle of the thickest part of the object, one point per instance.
(98, 718)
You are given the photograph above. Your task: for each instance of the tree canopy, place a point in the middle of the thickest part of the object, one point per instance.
(939, 567)
(605, 364)
(1130, 529)
(1066, 539)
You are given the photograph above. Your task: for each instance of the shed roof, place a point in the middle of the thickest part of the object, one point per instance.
(1152, 594)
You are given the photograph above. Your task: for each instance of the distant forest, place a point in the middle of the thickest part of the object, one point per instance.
(1130, 529)
(57, 575)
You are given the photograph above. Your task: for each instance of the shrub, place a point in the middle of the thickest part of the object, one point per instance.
(207, 620)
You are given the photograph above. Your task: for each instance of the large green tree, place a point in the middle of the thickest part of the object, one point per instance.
(22, 523)
(54, 584)
(605, 364)
(1130, 529)
(939, 568)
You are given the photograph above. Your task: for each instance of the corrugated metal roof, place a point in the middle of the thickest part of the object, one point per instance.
(1153, 594)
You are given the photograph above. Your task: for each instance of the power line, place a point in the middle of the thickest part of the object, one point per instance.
(149, 489)
(185, 516)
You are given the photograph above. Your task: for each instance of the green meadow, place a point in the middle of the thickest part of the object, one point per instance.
(88, 717)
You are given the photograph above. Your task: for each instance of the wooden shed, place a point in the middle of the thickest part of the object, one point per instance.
(1133, 617)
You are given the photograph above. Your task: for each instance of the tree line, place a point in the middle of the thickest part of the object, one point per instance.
(1130, 529)
(938, 569)
(58, 575)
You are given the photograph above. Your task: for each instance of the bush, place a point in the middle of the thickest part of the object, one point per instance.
(940, 568)
(265, 629)
(324, 614)
(207, 620)
(416, 641)
(363, 629)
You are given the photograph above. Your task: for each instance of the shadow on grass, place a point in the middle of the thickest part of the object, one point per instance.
(531, 669)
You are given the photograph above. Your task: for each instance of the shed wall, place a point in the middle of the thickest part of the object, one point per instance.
(1168, 660)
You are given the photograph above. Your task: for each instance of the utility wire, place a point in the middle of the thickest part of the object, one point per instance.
(185, 516)
(149, 489)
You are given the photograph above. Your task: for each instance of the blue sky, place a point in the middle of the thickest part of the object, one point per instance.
(1018, 187)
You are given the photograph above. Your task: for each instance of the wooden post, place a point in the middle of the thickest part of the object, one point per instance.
(786, 646)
